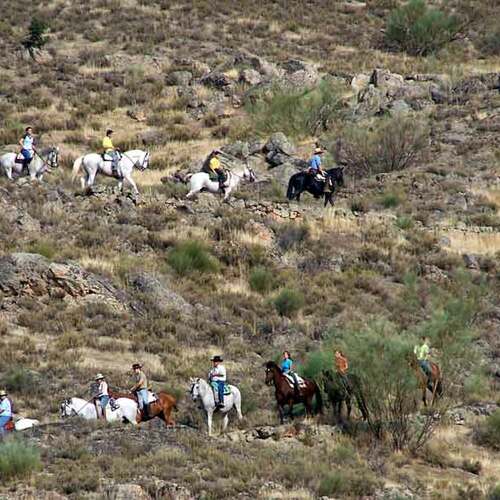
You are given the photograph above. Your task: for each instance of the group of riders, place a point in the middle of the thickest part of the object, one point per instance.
(217, 378)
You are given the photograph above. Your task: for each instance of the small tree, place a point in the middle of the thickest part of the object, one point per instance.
(36, 36)
(420, 30)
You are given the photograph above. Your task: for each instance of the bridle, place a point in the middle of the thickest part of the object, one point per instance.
(67, 403)
(139, 165)
(52, 160)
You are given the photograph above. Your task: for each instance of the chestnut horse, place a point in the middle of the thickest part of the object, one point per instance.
(286, 394)
(161, 408)
(433, 383)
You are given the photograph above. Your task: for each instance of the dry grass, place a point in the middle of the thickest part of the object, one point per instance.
(487, 243)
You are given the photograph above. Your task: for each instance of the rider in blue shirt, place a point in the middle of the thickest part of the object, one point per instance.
(286, 368)
(315, 162)
(27, 147)
(5, 411)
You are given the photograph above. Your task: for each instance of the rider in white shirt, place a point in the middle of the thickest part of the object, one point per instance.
(102, 393)
(217, 378)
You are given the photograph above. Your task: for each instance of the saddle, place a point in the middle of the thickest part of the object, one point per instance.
(115, 169)
(227, 388)
(19, 158)
(9, 426)
(290, 380)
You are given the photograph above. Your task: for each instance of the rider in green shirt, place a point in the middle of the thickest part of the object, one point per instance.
(422, 352)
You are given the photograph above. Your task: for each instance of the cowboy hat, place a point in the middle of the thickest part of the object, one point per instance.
(99, 376)
(3, 392)
(136, 365)
(319, 151)
(217, 359)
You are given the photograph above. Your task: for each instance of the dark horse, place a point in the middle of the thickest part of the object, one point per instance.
(287, 395)
(341, 389)
(432, 382)
(305, 181)
(161, 408)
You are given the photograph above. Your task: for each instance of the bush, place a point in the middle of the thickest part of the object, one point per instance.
(494, 493)
(420, 30)
(297, 113)
(487, 433)
(261, 280)
(291, 235)
(17, 459)
(397, 143)
(192, 256)
(35, 39)
(289, 301)
(491, 43)
(23, 381)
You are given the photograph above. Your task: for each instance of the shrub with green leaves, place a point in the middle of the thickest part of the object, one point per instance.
(487, 433)
(395, 144)
(289, 302)
(192, 256)
(17, 459)
(23, 381)
(36, 37)
(261, 280)
(420, 30)
(296, 113)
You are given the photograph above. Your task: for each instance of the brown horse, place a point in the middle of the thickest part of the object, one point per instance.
(287, 395)
(433, 383)
(161, 408)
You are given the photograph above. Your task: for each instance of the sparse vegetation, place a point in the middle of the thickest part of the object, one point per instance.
(289, 301)
(488, 432)
(191, 256)
(17, 459)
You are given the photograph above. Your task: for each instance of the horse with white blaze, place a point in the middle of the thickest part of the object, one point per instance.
(127, 410)
(201, 390)
(12, 164)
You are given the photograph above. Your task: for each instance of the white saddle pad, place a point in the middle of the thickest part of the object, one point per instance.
(300, 380)
(151, 397)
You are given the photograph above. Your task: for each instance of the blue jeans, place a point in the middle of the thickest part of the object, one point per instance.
(220, 391)
(425, 365)
(142, 398)
(104, 400)
(28, 155)
(3, 421)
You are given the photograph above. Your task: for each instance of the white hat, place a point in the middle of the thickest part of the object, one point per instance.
(99, 376)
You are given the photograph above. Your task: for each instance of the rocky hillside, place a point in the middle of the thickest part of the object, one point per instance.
(94, 281)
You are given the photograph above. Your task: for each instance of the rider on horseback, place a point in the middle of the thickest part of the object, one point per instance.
(27, 147)
(111, 151)
(315, 164)
(342, 366)
(286, 368)
(140, 388)
(422, 353)
(5, 411)
(215, 168)
(217, 379)
(102, 394)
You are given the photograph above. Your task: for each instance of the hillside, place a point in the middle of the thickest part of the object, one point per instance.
(93, 281)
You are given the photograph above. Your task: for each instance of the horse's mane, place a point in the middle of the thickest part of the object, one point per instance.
(270, 365)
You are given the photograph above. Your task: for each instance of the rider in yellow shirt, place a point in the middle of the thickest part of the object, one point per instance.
(110, 150)
(215, 167)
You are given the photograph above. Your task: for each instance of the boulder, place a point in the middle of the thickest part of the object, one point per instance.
(153, 138)
(279, 143)
(179, 78)
(238, 149)
(157, 293)
(216, 79)
(360, 81)
(126, 491)
(250, 77)
(265, 68)
(383, 79)
(371, 100)
(283, 173)
(299, 74)
(399, 107)
(137, 115)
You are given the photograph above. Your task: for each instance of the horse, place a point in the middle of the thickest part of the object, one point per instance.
(77, 407)
(305, 181)
(339, 391)
(93, 163)
(287, 395)
(201, 390)
(41, 162)
(433, 383)
(161, 408)
(201, 180)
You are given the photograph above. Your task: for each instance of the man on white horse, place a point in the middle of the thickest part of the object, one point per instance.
(102, 395)
(140, 388)
(27, 147)
(217, 378)
(213, 166)
(111, 152)
(5, 411)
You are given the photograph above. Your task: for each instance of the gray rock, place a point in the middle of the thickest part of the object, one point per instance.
(250, 77)
(238, 149)
(371, 100)
(279, 143)
(157, 293)
(399, 107)
(126, 491)
(179, 78)
(470, 261)
(385, 80)
(299, 74)
(216, 80)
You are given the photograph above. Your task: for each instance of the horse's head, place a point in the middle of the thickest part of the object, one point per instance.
(270, 367)
(66, 409)
(142, 163)
(249, 174)
(337, 175)
(53, 157)
(195, 388)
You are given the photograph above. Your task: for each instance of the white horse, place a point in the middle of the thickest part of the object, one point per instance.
(76, 407)
(93, 163)
(201, 180)
(21, 424)
(200, 389)
(40, 163)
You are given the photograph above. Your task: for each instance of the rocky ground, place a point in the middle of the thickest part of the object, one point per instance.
(96, 281)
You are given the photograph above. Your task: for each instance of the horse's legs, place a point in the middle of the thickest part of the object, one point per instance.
(131, 181)
(225, 422)
(281, 413)
(192, 193)
(209, 421)
(348, 406)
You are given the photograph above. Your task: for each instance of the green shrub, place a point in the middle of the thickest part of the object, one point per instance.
(296, 113)
(420, 30)
(292, 235)
(192, 256)
(35, 39)
(289, 301)
(390, 200)
(23, 381)
(404, 222)
(487, 433)
(494, 493)
(261, 280)
(395, 144)
(17, 459)
(43, 247)
(491, 43)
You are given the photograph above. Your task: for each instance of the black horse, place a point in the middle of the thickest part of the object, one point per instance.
(341, 389)
(305, 181)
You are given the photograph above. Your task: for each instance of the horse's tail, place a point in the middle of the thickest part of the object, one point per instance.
(290, 193)
(319, 398)
(76, 167)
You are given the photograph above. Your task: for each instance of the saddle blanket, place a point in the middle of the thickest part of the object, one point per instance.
(227, 388)
(300, 380)
(151, 397)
